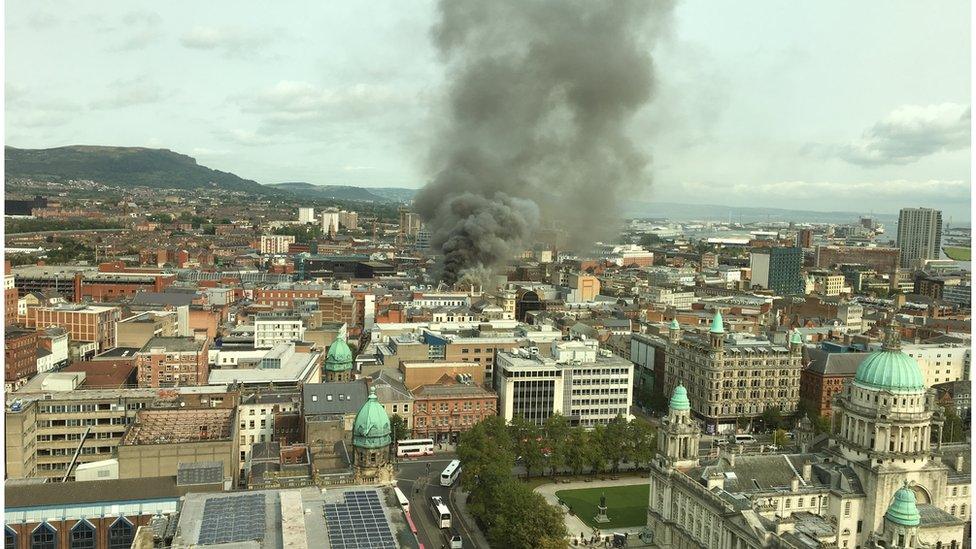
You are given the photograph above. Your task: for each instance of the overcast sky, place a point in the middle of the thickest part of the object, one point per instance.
(829, 105)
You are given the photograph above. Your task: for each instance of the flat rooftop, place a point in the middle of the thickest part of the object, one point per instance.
(173, 344)
(178, 426)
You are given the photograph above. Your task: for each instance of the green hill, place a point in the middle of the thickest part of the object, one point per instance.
(121, 167)
(333, 192)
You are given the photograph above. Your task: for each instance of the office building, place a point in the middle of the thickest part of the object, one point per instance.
(10, 295)
(824, 377)
(919, 235)
(732, 376)
(778, 270)
(89, 323)
(586, 384)
(271, 329)
(256, 413)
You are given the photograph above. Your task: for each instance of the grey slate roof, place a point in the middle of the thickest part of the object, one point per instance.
(834, 364)
(333, 398)
(933, 516)
(174, 299)
(96, 491)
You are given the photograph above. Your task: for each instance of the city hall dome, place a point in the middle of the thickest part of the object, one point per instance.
(891, 370)
(903, 509)
(679, 399)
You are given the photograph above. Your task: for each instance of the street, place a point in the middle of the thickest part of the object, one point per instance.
(419, 486)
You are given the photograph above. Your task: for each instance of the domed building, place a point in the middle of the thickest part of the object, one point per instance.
(338, 362)
(881, 477)
(371, 439)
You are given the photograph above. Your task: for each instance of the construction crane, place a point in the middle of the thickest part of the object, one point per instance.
(74, 459)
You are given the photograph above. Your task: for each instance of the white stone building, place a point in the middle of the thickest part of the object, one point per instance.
(876, 480)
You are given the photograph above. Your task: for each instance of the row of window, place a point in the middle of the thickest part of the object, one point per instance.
(81, 536)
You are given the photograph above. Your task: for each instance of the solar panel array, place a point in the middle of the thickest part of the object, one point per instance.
(232, 519)
(359, 522)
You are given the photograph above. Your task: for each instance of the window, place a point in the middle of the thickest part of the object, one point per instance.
(44, 537)
(847, 508)
(83, 535)
(9, 538)
(120, 534)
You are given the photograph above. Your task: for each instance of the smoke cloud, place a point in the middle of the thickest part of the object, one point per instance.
(539, 97)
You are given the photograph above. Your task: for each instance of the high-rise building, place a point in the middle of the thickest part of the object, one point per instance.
(349, 220)
(330, 222)
(409, 223)
(276, 243)
(778, 269)
(919, 235)
(804, 238)
(306, 215)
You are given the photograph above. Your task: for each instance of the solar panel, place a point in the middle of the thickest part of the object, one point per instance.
(358, 522)
(232, 519)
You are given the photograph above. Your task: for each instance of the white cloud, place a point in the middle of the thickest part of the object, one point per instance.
(908, 134)
(129, 93)
(831, 194)
(231, 41)
(289, 101)
(244, 137)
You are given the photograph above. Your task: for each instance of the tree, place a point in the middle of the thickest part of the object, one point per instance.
(779, 437)
(952, 429)
(556, 435)
(772, 417)
(399, 427)
(616, 443)
(525, 520)
(578, 455)
(742, 422)
(594, 450)
(643, 437)
(527, 438)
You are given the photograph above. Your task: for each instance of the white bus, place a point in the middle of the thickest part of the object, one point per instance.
(442, 515)
(402, 499)
(415, 447)
(451, 473)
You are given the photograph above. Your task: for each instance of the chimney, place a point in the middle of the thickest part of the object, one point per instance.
(794, 484)
(807, 472)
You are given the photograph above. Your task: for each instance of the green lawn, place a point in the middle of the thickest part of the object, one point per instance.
(626, 505)
(958, 253)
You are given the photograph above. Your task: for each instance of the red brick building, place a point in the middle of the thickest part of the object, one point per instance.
(282, 299)
(443, 411)
(10, 296)
(173, 362)
(19, 356)
(824, 376)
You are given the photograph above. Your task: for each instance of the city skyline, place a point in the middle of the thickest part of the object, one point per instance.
(735, 115)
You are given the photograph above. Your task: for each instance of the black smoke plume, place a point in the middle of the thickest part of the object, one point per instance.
(539, 97)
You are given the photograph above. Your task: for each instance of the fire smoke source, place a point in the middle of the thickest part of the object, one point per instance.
(539, 96)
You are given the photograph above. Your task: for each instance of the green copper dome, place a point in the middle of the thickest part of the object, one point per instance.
(339, 358)
(796, 338)
(903, 510)
(674, 324)
(718, 327)
(372, 426)
(679, 399)
(890, 370)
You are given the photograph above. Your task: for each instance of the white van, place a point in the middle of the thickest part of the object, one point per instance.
(743, 439)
